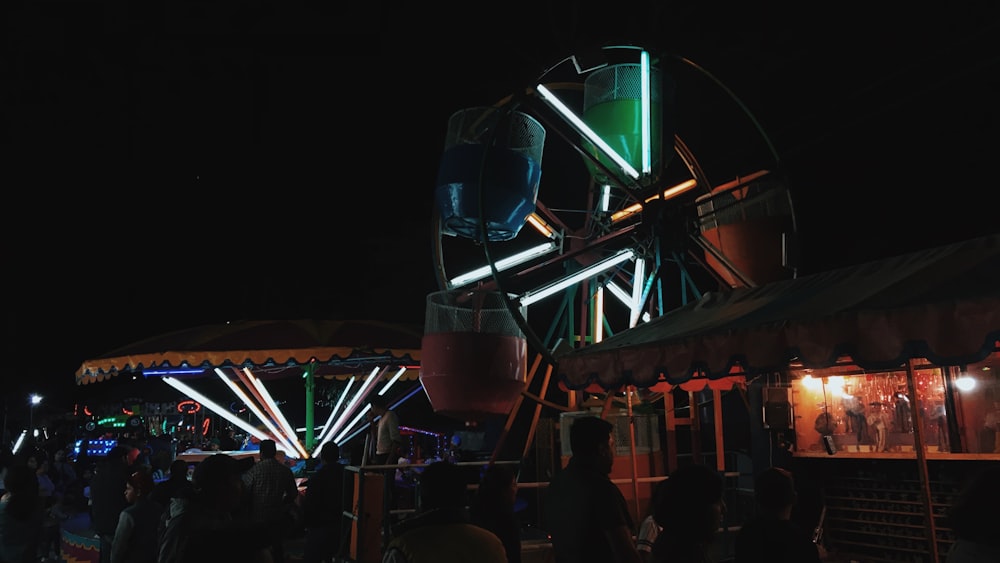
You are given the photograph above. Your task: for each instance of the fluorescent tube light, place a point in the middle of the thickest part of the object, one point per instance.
(503, 264)
(536, 295)
(554, 102)
(395, 378)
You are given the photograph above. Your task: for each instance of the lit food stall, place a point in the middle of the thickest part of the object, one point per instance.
(876, 383)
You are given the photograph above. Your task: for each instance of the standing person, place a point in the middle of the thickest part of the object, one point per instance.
(493, 508)
(106, 496)
(442, 531)
(202, 528)
(586, 513)
(323, 507)
(690, 513)
(771, 536)
(388, 441)
(137, 535)
(176, 484)
(975, 520)
(272, 490)
(21, 515)
(649, 529)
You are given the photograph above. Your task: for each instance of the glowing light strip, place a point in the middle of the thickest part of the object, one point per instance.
(224, 413)
(554, 102)
(533, 296)
(667, 194)
(395, 378)
(19, 442)
(541, 226)
(279, 437)
(282, 421)
(363, 427)
(336, 407)
(352, 405)
(599, 314)
(647, 149)
(245, 379)
(356, 419)
(605, 198)
(620, 293)
(504, 264)
(638, 282)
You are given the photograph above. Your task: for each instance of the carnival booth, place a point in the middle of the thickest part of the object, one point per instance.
(876, 383)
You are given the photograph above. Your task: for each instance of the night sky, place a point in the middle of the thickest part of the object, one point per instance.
(172, 165)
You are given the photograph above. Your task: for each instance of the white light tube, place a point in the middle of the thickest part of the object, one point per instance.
(356, 419)
(530, 297)
(503, 264)
(599, 314)
(556, 104)
(620, 293)
(395, 378)
(605, 198)
(638, 283)
(282, 421)
(336, 407)
(224, 413)
(19, 442)
(352, 405)
(646, 97)
(279, 437)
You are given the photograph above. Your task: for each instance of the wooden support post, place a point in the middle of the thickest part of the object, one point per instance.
(720, 446)
(919, 448)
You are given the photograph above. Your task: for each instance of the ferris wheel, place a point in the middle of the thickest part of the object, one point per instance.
(581, 200)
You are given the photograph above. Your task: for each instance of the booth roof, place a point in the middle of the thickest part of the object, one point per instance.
(941, 304)
(273, 348)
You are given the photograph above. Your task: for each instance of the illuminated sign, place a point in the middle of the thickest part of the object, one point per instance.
(188, 407)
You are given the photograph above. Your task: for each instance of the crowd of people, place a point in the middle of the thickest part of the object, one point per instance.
(245, 508)
(240, 508)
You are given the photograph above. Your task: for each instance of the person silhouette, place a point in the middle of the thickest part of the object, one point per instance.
(975, 519)
(442, 529)
(585, 513)
(690, 512)
(493, 508)
(771, 536)
(323, 507)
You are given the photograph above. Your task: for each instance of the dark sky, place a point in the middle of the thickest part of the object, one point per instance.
(172, 165)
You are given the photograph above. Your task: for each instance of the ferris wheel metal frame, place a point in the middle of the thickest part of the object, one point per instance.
(608, 255)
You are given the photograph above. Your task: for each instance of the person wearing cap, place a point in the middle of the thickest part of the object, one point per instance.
(136, 538)
(272, 490)
(202, 528)
(586, 513)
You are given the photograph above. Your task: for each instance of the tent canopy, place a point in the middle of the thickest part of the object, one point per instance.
(274, 348)
(941, 304)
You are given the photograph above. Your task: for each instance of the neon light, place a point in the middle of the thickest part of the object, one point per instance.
(599, 314)
(224, 413)
(541, 226)
(169, 372)
(533, 296)
(638, 282)
(401, 371)
(352, 405)
(504, 264)
(354, 421)
(204, 426)
(556, 104)
(647, 149)
(282, 421)
(188, 407)
(329, 420)
(253, 408)
(605, 198)
(667, 194)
